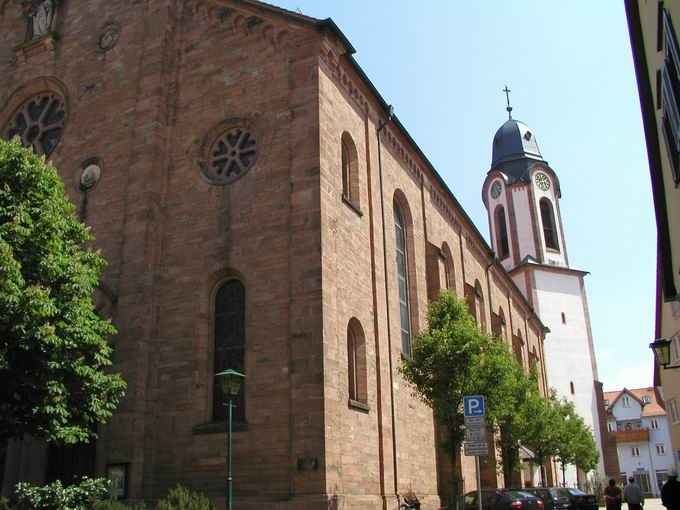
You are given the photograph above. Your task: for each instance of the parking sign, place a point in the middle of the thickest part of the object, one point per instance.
(473, 406)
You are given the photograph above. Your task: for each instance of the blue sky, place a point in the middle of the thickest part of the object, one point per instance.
(443, 64)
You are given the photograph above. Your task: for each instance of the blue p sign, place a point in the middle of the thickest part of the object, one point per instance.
(473, 406)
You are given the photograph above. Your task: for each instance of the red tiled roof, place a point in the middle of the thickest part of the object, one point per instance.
(656, 408)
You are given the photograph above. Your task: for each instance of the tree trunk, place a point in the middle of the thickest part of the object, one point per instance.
(564, 476)
(541, 463)
(454, 484)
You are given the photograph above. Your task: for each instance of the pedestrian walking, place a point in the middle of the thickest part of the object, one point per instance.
(670, 492)
(612, 496)
(632, 494)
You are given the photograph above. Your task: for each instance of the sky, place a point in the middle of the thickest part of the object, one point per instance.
(443, 64)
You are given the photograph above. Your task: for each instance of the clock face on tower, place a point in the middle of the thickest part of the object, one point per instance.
(496, 189)
(542, 181)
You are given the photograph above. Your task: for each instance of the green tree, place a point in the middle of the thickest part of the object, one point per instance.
(512, 425)
(575, 442)
(53, 346)
(542, 420)
(452, 359)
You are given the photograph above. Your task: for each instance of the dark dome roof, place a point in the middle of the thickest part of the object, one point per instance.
(514, 149)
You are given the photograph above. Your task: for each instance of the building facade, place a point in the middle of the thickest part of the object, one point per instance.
(639, 422)
(521, 194)
(260, 209)
(653, 32)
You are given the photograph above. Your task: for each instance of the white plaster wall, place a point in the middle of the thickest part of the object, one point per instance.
(508, 262)
(567, 349)
(627, 413)
(629, 464)
(525, 232)
(549, 257)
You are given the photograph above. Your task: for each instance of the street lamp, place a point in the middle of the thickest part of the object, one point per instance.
(230, 382)
(662, 351)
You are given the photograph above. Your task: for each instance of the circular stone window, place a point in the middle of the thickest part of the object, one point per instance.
(232, 154)
(39, 122)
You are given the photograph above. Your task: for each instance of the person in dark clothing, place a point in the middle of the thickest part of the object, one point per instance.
(670, 492)
(632, 494)
(612, 496)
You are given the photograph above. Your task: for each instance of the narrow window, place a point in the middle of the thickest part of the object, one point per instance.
(661, 449)
(356, 362)
(350, 170)
(647, 400)
(571, 387)
(606, 401)
(635, 451)
(548, 220)
(517, 343)
(610, 427)
(345, 170)
(402, 281)
(501, 233)
(625, 401)
(564, 318)
(655, 424)
(229, 342)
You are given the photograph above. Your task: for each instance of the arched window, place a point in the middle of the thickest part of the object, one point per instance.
(402, 279)
(501, 233)
(517, 346)
(350, 170)
(229, 345)
(356, 362)
(548, 220)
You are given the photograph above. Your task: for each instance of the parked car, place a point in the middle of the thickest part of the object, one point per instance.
(541, 493)
(503, 499)
(553, 498)
(585, 501)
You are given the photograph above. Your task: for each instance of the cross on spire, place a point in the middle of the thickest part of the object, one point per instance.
(507, 98)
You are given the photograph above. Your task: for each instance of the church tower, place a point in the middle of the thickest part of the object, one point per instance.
(521, 193)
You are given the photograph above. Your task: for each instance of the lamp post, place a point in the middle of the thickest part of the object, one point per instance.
(230, 382)
(662, 352)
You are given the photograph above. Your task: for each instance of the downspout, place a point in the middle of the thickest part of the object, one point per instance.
(381, 126)
(488, 288)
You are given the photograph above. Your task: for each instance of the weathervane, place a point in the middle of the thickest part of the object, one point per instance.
(507, 98)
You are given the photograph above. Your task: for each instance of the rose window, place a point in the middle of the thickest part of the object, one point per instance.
(232, 154)
(39, 122)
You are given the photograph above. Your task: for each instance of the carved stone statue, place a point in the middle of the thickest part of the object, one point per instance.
(42, 19)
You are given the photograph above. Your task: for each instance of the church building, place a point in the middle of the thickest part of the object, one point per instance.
(521, 194)
(262, 209)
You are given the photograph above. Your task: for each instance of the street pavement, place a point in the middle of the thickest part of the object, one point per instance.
(651, 504)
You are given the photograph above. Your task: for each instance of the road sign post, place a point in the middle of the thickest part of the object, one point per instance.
(475, 435)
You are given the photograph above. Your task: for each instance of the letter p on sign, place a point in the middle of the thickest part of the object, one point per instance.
(473, 406)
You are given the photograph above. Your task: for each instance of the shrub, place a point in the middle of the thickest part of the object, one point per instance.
(112, 504)
(55, 496)
(181, 498)
(6, 504)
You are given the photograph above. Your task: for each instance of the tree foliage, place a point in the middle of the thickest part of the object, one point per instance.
(53, 347)
(576, 444)
(452, 359)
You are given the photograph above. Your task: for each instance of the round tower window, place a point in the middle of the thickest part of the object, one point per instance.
(38, 122)
(232, 154)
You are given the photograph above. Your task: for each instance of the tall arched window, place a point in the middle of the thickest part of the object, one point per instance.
(549, 229)
(356, 362)
(501, 233)
(350, 170)
(229, 345)
(402, 280)
(449, 280)
(517, 346)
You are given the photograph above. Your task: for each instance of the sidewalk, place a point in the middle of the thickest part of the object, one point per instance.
(651, 504)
